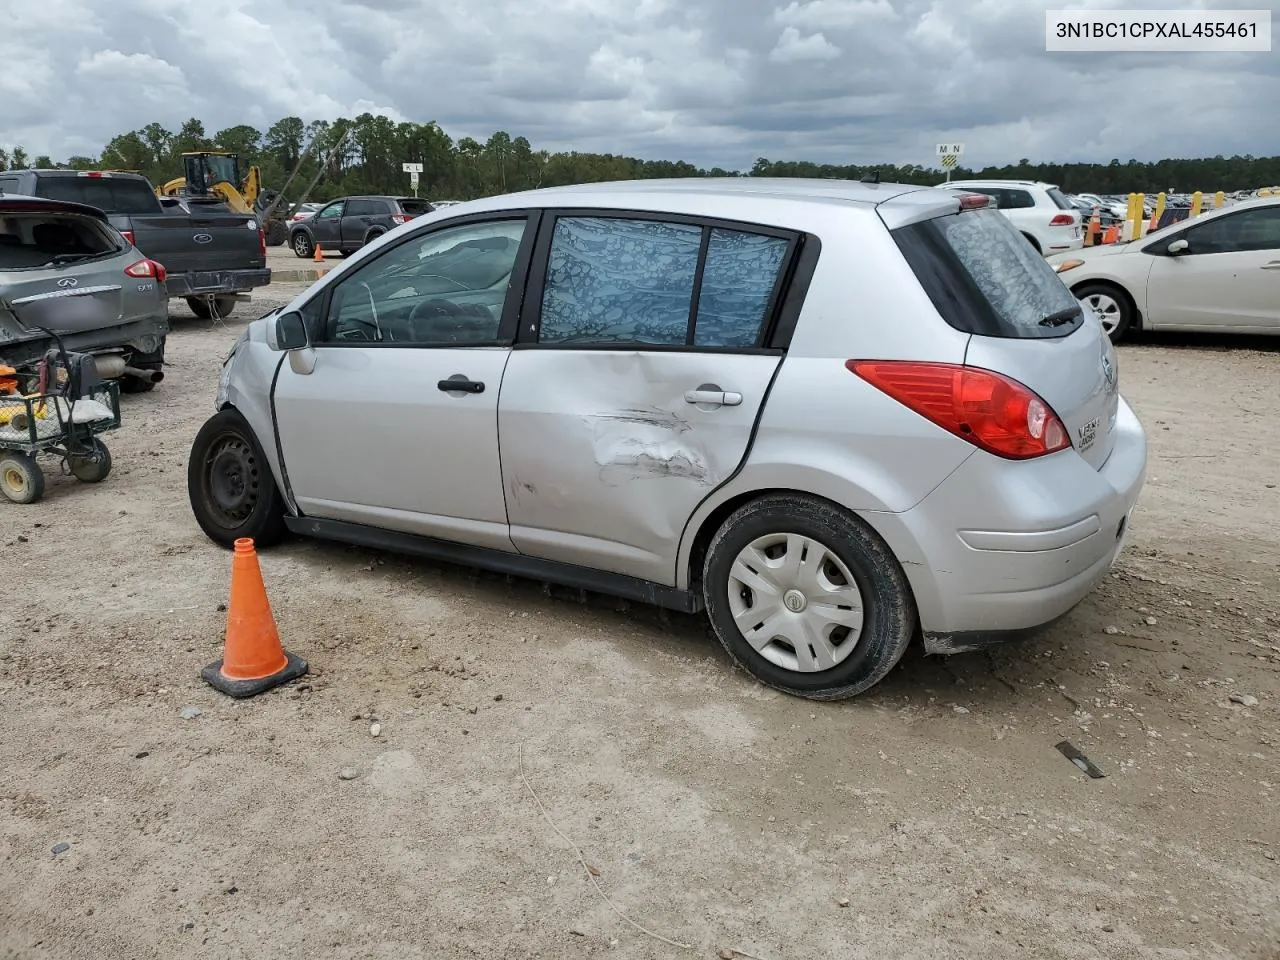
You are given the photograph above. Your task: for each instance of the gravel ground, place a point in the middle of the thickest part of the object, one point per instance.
(931, 818)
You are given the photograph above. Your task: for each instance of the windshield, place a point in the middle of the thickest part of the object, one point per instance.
(985, 278)
(415, 207)
(111, 194)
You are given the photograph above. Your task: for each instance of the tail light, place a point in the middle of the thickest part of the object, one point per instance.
(262, 243)
(989, 410)
(1062, 220)
(974, 201)
(400, 218)
(147, 270)
(128, 236)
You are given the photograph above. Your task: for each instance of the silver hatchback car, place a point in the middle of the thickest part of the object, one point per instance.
(835, 415)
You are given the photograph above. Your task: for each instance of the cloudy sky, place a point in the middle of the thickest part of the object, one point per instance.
(716, 82)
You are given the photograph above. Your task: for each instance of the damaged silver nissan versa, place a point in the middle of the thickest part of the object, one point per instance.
(834, 415)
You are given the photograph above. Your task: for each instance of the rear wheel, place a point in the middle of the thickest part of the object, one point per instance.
(302, 245)
(21, 479)
(230, 485)
(372, 236)
(806, 598)
(1113, 307)
(201, 307)
(277, 233)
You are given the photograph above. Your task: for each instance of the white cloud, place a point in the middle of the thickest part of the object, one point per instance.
(713, 82)
(833, 14)
(791, 46)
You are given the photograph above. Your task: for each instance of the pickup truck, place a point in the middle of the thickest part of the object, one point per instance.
(213, 257)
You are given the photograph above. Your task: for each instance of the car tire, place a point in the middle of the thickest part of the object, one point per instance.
(225, 306)
(143, 361)
(1113, 306)
(130, 384)
(373, 235)
(277, 233)
(302, 245)
(853, 656)
(230, 485)
(93, 468)
(21, 479)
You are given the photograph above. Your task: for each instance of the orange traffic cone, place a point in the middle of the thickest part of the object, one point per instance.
(319, 257)
(1112, 235)
(253, 660)
(1095, 229)
(1154, 222)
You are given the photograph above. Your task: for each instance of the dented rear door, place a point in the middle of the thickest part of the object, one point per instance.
(606, 454)
(635, 387)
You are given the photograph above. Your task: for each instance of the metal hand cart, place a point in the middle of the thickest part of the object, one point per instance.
(50, 422)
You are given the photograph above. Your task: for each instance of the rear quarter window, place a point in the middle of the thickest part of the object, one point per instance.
(1059, 199)
(985, 279)
(114, 195)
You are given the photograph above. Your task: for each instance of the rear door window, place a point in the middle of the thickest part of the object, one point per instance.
(112, 194)
(614, 280)
(363, 208)
(1016, 200)
(984, 278)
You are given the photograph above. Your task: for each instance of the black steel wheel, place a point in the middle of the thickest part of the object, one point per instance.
(232, 491)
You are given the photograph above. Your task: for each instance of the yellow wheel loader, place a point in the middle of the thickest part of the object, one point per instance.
(217, 175)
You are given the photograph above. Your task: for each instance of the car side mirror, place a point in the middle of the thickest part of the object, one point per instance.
(288, 332)
(1178, 247)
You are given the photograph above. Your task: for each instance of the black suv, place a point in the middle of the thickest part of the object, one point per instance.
(348, 224)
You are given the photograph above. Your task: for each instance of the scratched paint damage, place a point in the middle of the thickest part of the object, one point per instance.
(645, 443)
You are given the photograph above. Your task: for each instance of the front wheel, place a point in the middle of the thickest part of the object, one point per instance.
(1113, 307)
(302, 245)
(21, 479)
(229, 483)
(92, 464)
(806, 598)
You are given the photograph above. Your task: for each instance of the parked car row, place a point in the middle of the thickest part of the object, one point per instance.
(1043, 214)
(89, 259)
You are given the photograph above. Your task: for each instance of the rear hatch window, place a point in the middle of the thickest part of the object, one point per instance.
(120, 196)
(1060, 199)
(415, 208)
(29, 240)
(985, 279)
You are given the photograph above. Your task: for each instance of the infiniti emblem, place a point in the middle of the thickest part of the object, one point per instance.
(68, 282)
(202, 238)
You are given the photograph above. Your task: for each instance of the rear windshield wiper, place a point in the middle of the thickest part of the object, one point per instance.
(70, 258)
(1065, 315)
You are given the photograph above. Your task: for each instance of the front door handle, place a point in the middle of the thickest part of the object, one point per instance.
(460, 384)
(1273, 265)
(717, 398)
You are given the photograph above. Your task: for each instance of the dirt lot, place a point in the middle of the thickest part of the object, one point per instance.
(931, 818)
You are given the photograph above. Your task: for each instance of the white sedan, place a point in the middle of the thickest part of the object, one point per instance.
(1217, 273)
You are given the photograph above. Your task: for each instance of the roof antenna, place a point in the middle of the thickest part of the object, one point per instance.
(871, 176)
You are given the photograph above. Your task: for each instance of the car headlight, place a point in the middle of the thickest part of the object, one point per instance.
(1066, 265)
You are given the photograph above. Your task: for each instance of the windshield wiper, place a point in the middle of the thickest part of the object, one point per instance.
(1066, 315)
(70, 258)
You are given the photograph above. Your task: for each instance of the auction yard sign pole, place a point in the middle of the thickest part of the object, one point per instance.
(413, 170)
(949, 153)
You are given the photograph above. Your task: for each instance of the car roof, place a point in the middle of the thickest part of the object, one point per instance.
(784, 197)
(19, 203)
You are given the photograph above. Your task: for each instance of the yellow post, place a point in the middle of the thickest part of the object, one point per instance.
(1197, 199)
(1162, 201)
(1139, 205)
(1219, 199)
(1264, 192)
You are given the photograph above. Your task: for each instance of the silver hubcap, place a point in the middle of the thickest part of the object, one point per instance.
(1108, 309)
(795, 602)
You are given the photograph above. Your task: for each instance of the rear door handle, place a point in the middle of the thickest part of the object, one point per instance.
(460, 385)
(718, 398)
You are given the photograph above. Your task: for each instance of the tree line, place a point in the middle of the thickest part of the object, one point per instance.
(370, 157)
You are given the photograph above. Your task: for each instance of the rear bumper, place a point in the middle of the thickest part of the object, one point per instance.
(1004, 548)
(143, 336)
(203, 283)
